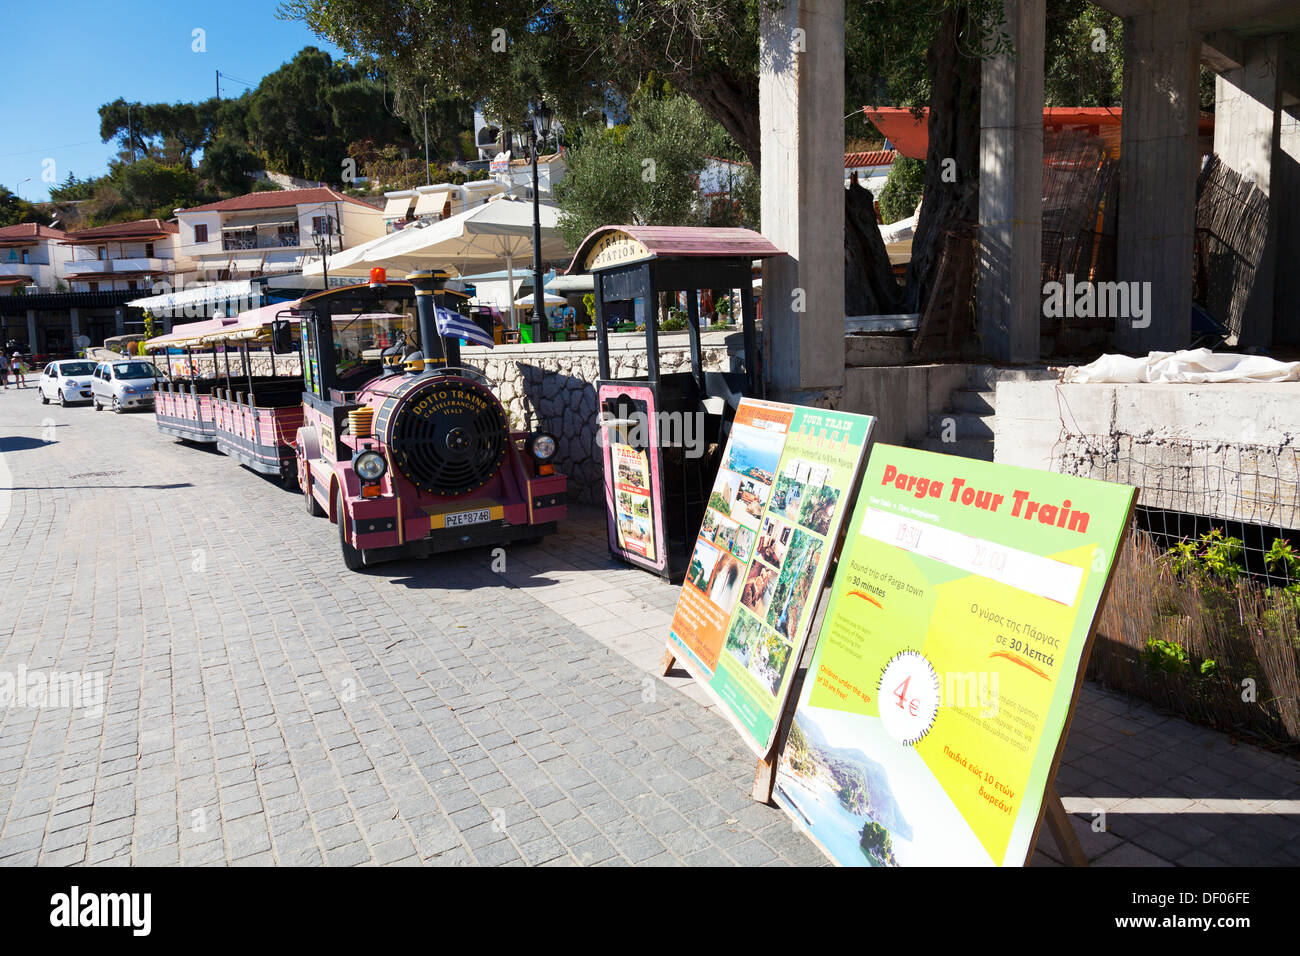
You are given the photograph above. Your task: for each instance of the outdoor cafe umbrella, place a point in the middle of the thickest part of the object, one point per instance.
(550, 299)
(478, 239)
(350, 262)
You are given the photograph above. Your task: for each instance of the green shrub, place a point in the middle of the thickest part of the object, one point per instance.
(903, 189)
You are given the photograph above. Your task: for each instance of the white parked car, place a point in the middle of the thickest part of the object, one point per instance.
(67, 381)
(124, 384)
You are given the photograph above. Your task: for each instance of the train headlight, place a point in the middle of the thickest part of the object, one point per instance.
(369, 466)
(542, 446)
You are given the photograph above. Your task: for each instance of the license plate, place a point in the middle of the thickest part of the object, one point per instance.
(468, 517)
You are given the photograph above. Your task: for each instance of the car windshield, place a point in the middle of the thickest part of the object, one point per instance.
(134, 370)
(77, 368)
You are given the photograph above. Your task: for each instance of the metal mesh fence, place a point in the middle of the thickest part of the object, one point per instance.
(1188, 488)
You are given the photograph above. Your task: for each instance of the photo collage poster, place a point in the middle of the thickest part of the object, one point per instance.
(760, 558)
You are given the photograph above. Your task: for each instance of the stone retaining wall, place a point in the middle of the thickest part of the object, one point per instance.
(553, 387)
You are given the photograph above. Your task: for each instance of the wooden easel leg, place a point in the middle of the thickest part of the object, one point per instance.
(1058, 821)
(764, 780)
(666, 663)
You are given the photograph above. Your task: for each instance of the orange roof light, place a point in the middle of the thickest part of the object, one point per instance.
(378, 277)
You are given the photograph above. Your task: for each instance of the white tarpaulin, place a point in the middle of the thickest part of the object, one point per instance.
(1191, 367)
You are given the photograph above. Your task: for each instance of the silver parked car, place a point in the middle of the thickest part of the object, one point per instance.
(66, 381)
(124, 384)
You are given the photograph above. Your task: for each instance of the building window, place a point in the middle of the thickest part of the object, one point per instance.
(27, 257)
(94, 287)
(130, 285)
(318, 224)
(201, 232)
(103, 253)
(148, 250)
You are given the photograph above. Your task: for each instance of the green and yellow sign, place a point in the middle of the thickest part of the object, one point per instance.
(946, 666)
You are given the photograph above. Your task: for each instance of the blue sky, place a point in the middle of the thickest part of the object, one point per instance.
(63, 60)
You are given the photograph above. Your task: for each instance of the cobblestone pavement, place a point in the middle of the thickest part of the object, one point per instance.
(262, 705)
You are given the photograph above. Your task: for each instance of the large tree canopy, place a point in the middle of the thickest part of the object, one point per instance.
(645, 171)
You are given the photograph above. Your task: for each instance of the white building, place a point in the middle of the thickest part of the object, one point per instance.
(273, 232)
(872, 168)
(436, 202)
(31, 255)
(125, 256)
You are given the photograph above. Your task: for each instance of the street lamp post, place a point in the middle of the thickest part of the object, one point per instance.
(541, 128)
(322, 240)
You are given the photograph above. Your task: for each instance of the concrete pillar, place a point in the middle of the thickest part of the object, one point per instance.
(1247, 126)
(800, 108)
(1158, 169)
(74, 320)
(1010, 297)
(31, 331)
(1286, 290)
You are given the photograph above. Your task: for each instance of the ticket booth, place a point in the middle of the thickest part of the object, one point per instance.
(661, 434)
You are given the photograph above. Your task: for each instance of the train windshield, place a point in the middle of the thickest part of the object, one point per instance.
(361, 341)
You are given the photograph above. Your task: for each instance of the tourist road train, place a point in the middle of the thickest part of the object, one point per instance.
(406, 451)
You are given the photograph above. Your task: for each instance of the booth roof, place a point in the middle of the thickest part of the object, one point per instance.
(684, 242)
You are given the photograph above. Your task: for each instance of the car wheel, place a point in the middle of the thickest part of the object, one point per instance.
(45, 399)
(98, 407)
(351, 556)
(117, 406)
(63, 402)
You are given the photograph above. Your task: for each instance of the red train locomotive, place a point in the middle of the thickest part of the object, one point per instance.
(407, 452)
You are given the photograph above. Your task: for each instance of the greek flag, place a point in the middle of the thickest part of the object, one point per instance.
(456, 326)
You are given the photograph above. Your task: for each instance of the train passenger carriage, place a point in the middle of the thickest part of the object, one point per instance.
(408, 453)
(183, 404)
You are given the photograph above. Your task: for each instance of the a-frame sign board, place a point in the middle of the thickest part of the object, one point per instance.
(932, 719)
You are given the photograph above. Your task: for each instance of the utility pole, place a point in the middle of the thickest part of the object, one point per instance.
(218, 72)
(428, 176)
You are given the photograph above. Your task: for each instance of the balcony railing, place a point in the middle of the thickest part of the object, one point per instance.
(232, 242)
(106, 267)
(17, 269)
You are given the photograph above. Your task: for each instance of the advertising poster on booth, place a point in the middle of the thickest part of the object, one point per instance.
(947, 661)
(760, 559)
(633, 504)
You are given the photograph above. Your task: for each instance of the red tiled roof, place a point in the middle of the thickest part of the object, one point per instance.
(26, 233)
(137, 230)
(278, 199)
(875, 157)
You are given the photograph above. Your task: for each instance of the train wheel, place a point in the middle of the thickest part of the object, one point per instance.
(351, 556)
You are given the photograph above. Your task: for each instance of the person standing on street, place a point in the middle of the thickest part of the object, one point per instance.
(19, 368)
(4, 371)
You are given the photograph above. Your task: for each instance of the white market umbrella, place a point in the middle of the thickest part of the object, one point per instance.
(350, 262)
(479, 239)
(549, 299)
